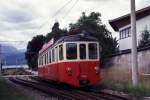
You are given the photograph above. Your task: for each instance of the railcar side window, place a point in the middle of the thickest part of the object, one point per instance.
(92, 50)
(82, 51)
(53, 56)
(38, 61)
(61, 52)
(71, 51)
(56, 53)
(40, 58)
(45, 58)
(49, 56)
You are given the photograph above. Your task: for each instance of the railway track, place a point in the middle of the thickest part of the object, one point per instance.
(91, 93)
(67, 94)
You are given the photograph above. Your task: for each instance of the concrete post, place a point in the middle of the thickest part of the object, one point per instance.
(0, 61)
(135, 76)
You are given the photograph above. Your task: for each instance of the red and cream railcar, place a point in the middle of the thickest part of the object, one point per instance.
(72, 59)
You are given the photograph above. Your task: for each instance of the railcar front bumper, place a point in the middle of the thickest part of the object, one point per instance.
(84, 82)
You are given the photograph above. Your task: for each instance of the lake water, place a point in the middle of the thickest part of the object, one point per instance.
(15, 66)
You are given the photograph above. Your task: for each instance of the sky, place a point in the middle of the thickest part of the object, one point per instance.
(20, 20)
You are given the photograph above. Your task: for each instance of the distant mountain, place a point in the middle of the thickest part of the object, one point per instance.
(15, 59)
(22, 50)
(12, 56)
(7, 50)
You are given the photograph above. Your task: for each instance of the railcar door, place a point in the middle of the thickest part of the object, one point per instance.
(83, 64)
(71, 66)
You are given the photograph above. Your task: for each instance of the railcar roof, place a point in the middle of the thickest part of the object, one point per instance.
(77, 37)
(72, 38)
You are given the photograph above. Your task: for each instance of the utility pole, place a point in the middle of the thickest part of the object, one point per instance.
(0, 61)
(135, 76)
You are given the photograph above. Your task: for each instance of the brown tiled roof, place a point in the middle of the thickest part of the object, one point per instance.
(125, 19)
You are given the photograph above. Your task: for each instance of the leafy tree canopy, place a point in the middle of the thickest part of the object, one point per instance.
(33, 48)
(56, 32)
(145, 39)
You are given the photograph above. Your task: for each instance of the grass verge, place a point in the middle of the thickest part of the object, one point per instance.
(126, 86)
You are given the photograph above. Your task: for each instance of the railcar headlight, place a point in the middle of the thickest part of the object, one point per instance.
(97, 69)
(69, 71)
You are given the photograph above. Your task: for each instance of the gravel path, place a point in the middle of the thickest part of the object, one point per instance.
(36, 95)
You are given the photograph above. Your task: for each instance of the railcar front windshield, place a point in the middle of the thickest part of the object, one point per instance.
(71, 51)
(82, 51)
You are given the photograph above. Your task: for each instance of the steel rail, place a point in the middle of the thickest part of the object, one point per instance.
(45, 89)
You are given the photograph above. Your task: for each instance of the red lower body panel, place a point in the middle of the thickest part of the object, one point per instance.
(77, 74)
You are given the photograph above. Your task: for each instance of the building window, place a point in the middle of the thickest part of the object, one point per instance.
(125, 33)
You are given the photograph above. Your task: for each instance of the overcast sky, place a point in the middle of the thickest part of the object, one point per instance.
(20, 20)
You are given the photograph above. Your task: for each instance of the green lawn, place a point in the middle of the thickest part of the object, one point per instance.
(7, 92)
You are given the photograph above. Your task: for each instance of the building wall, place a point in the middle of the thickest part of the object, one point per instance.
(140, 26)
(125, 43)
(119, 67)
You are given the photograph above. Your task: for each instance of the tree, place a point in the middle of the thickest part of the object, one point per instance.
(145, 39)
(37, 42)
(56, 32)
(93, 25)
(33, 48)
